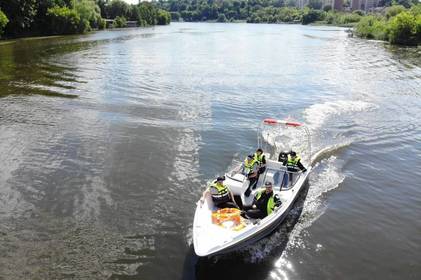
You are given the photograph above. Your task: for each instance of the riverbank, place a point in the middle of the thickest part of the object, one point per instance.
(79, 201)
(396, 24)
(42, 18)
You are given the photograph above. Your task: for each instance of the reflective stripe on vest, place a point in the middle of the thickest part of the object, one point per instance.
(293, 161)
(270, 204)
(222, 190)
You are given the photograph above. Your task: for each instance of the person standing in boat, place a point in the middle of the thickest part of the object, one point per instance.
(251, 170)
(263, 203)
(293, 164)
(222, 197)
(260, 160)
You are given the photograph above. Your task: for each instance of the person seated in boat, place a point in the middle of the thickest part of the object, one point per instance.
(264, 203)
(251, 171)
(283, 156)
(222, 197)
(293, 164)
(260, 160)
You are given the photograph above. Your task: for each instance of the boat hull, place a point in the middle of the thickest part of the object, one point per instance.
(260, 233)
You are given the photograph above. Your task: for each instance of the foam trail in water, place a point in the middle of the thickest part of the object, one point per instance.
(317, 114)
(327, 176)
(328, 151)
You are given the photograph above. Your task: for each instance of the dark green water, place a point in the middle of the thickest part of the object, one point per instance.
(108, 139)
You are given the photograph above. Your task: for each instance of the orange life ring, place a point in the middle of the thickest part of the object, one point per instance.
(226, 214)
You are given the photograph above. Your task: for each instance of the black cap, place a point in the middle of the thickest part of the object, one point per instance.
(259, 150)
(222, 178)
(292, 153)
(268, 184)
(250, 156)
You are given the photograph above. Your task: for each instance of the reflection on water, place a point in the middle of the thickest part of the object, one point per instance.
(103, 185)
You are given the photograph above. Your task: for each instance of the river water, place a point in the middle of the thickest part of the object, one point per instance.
(108, 139)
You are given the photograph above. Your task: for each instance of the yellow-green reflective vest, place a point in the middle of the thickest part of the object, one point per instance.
(258, 158)
(222, 190)
(293, 161)
(271, 202)
(248, 166)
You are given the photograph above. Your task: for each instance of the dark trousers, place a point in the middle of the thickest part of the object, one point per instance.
(252, 184)
(228, 204)
(262, 170)
(254, 213)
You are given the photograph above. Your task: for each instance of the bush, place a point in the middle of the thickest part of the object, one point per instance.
(393, 11)
(3, 22)
(289, 15)
(311, 15)
(89, 12)
(371, 27)
(350, 18)
(416, 10)
(175, 16)
(163, 17)
(327, 8)
(64, 20)
(358, 12)
(119, 22)
(147, 14)
(221, 18)
(403, 29)
(102, 24)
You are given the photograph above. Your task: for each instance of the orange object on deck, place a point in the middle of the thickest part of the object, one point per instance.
(226, 214)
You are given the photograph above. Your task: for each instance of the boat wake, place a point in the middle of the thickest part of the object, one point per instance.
(326, 176)
(331, 125)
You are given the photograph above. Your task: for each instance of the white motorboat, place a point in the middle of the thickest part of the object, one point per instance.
(210, 238)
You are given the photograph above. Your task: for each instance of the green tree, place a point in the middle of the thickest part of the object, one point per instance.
(403, 29)
(394, 10)
(371, 27)
(89, 12)
(405, 3)
(120, 22)
(310, 15)
(21, 14)
(221, 18)
(3, 22)
(163, 17)
(147, 14)
(117, 8)
(315, 4)
(65, 21)
(175, 16)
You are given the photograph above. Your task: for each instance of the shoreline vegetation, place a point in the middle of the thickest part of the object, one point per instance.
(398, 22)
(29, 18)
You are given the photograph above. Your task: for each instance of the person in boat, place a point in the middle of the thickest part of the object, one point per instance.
(260, 160)
(263, 203)
(222, 197)
(283, 156)
(293, 164)
(251, 170)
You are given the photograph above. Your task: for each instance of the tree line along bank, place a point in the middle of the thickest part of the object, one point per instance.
(19, 18)
(399, 21)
